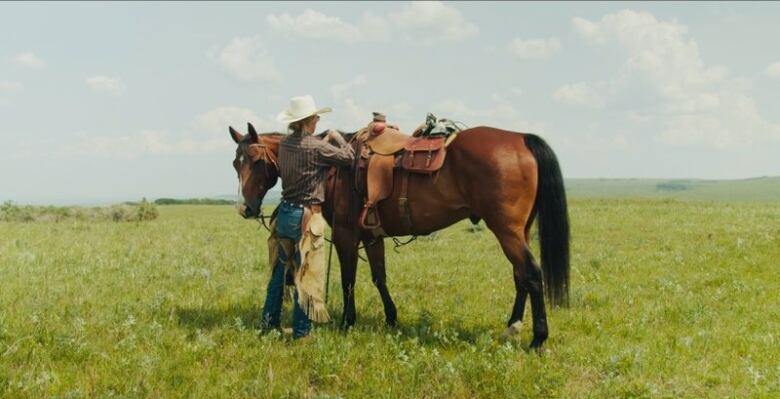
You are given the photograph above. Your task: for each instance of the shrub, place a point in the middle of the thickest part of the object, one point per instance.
(671, 186)
(142, 211)
(146, 211)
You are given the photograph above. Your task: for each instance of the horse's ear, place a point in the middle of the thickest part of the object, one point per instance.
(252, 132)
(237, 137)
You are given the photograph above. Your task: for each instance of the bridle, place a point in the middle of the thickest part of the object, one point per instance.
(270, 163)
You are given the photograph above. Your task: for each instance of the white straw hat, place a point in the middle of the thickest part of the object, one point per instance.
(300, 108)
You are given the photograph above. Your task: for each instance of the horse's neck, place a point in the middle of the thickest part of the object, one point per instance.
(272, 141)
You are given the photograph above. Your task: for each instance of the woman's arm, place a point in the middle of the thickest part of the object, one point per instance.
(339, 154)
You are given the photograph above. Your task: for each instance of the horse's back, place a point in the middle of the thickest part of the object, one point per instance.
(490, 148)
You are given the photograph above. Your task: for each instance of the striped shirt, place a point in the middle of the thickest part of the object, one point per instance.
(303, 162)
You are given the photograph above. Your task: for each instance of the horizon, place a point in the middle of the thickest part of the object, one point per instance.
(112, 102)
(276, 190)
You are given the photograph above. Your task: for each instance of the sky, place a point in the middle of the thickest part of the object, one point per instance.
(103, 102)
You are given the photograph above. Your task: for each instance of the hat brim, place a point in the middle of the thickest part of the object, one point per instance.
(286, 117)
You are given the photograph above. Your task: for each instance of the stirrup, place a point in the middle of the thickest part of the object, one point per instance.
(369, 211)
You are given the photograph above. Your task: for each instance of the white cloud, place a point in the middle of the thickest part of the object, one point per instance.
(147, 142)
(207, 135)
(430, 22)
(773, 71)
(351, 113)
(247, 60)
(692, 103)
(419, 22)
(500, 114)
(315, 25)
(112, 146)
(216, 121)
(579, 94)
(106, 85)
(340, 89)
(534, 49)
(29, 60)
(588, 30)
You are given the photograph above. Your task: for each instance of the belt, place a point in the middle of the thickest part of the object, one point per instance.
(315, 208)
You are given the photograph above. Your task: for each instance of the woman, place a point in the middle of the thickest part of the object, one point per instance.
(303, 161)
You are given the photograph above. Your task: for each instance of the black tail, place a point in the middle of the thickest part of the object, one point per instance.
(553, 219)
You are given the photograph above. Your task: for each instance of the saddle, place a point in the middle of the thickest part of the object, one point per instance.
(384, 150)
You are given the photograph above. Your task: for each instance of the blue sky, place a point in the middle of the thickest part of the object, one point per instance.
(114, 101)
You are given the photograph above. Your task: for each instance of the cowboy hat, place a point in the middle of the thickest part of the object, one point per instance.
(300, 108)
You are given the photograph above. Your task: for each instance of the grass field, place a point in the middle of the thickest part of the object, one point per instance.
(669, 299)
(759, 189)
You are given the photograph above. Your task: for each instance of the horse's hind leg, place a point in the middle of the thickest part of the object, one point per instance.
(515, 323)
(527, 278)
(375, 249)
(536, 291)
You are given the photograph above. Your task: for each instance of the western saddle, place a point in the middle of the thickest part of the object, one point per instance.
(383, 150)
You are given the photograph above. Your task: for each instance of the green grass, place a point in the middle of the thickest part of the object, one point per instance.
(761, 189)
(669, 299)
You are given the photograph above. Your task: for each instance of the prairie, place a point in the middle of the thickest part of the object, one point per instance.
(669, 299)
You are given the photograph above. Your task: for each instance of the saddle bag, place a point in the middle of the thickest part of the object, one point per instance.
(424, 155)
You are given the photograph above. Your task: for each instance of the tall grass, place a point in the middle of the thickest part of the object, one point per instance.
(137, 212)
(669, 299)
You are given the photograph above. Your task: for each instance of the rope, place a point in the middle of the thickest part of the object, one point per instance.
(332, 228)
(399, 244)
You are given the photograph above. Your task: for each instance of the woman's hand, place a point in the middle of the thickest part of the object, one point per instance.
(333, 136)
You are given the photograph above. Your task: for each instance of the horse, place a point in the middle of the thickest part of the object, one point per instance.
(508, 179)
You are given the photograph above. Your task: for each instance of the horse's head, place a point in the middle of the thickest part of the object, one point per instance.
(256, 166)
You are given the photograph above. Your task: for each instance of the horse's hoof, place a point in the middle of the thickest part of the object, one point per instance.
(346, 325)
(536, 346)
(512, 331)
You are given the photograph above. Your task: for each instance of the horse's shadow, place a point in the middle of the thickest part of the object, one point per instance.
(428, 331)
(424, 328)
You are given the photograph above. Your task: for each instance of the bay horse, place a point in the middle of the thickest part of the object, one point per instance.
(505, 178)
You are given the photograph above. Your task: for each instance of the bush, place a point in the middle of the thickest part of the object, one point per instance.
(143, 211)
(146, 211)
(192, 201)
(671, 186)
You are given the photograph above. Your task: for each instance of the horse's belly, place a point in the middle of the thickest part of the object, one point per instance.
(432, 205)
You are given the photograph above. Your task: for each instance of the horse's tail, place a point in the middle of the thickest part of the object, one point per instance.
(553, 220)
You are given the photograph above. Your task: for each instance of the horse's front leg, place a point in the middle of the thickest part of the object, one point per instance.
(345, 239)
(375, 249)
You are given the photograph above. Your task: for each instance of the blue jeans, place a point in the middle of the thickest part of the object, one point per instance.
(288, 226)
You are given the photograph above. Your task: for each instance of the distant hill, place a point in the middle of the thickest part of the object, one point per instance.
(193, 201)
(271, 198)
(760, 189)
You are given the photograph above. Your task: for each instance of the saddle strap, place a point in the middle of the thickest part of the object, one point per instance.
(403, 203)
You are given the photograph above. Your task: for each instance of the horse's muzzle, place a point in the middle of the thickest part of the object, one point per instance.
(249, 212)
